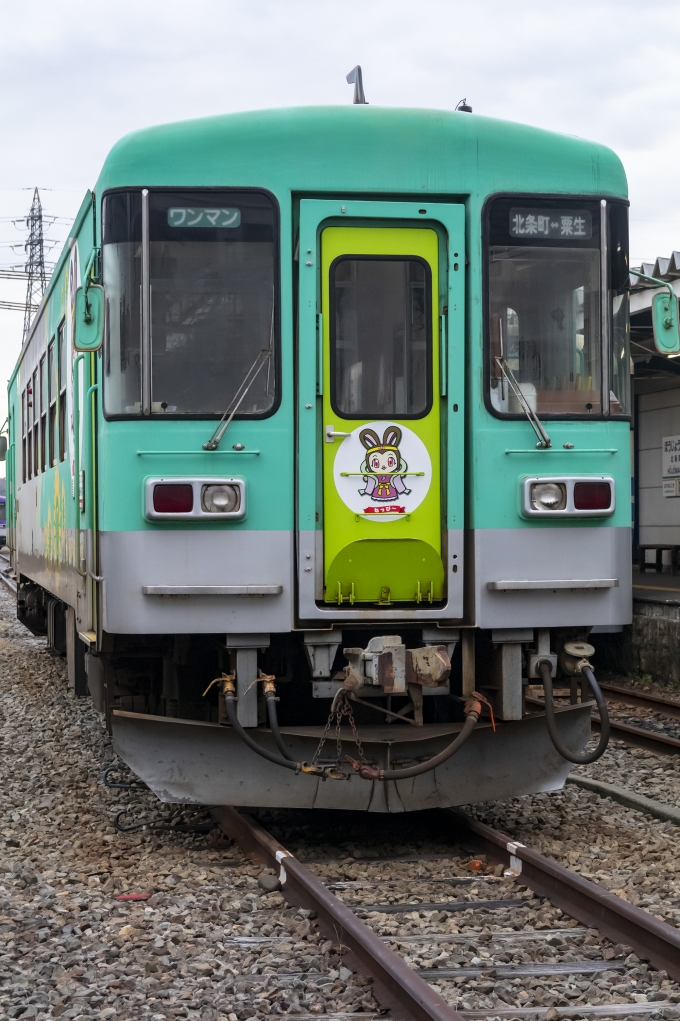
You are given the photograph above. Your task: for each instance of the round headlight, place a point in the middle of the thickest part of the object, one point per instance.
(548, 496)
(221, 499)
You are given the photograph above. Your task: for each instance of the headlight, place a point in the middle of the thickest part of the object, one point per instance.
(548, 496)
(221, 499)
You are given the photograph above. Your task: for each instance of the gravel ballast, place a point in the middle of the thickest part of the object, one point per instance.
(68, 948)
(211, 936)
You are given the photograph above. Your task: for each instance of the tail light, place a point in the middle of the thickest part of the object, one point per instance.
(592, 496)
(173, 499)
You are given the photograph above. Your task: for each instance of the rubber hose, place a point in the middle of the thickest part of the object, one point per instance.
(230, 703)
(371, 773)
(274, 727)
(581, 758)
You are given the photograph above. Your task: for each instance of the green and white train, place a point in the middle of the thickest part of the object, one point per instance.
(325, 416)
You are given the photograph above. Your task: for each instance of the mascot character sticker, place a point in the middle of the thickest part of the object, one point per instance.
(383, 468)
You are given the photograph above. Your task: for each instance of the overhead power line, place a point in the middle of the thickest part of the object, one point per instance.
(17, 306)
(7, 274)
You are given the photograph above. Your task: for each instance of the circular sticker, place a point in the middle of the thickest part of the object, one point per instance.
(382, 471)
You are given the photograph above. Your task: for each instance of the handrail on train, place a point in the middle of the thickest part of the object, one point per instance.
(87, 448)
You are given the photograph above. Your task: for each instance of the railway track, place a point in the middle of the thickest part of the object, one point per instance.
(656, 710)
(441, 942)
(619, 694)
(181, 926)
(6, 573)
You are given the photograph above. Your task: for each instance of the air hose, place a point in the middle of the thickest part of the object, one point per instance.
(271, 700)
(581, 758)
(473, 709)
(229, 692)
(230, 705)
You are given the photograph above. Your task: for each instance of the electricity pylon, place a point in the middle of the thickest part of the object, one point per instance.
(35, 262)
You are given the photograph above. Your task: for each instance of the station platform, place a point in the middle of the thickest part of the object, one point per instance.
(650, 587)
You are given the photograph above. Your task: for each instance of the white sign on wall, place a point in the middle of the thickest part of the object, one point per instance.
(670, 465)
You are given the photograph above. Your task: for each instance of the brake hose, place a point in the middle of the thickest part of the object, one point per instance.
(581, 758)
(230, 705)
(473, 709)
(271, 699)
(229, 691)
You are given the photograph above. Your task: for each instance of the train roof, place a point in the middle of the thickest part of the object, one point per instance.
(367, 149)
(362, 149)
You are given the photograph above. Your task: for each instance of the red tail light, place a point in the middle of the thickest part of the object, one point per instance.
(173, 499)
(592, 496)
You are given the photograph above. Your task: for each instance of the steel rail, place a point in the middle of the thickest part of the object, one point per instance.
(638, 737)
(5, 576)
(396, 986)
(627, 797)
(644, 700)
(651, 939)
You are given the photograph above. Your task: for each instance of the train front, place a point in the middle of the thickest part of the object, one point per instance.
(362, 457)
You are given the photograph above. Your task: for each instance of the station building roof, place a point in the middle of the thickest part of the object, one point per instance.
(653, 371)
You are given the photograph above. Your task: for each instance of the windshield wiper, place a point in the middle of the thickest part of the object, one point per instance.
(237, 400)
(534, 421)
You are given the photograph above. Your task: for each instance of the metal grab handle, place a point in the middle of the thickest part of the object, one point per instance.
(88, 425)
(88, 444)
(331, 434)
(76, 456)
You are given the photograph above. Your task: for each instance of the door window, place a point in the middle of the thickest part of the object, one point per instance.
(380, 337)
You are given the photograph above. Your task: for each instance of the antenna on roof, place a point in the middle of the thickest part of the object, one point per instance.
(463, 106)
(355, 78)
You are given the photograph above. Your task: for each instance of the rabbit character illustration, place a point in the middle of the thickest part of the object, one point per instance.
(384, 467)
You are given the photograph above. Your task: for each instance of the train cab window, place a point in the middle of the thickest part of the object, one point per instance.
(380, 337)
(619, 299)
(122, 266)
(212, 299)
(544, 313)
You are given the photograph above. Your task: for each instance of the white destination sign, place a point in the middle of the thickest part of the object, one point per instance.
(670, 465)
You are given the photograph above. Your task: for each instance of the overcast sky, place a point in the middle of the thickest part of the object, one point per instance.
(75, 76)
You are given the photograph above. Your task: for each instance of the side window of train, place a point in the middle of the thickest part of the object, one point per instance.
(36, 421)
(543, 315)
(212, 300)
(52, 384)
(43, 415)
(29, 430)
(24, 420)
(62, 376)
